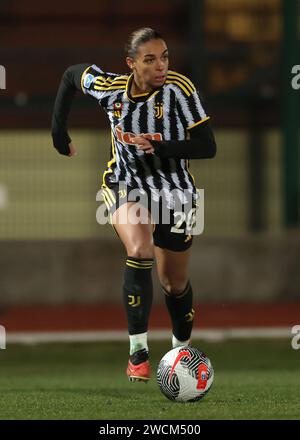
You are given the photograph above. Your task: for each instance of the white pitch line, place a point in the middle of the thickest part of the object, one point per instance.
(213, 335)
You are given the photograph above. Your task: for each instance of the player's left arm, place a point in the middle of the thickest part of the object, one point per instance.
(201, 145)
(200, 142)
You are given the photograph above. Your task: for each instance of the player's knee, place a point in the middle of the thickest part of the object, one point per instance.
(141, 250)
(174, 286)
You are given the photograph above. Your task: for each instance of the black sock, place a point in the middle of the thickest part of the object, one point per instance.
(181, 313)
(139, 356)
(138, 293)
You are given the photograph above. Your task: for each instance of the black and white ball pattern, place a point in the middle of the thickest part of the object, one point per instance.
(185, 374)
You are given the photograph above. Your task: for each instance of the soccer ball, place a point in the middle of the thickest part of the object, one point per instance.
(185, 374)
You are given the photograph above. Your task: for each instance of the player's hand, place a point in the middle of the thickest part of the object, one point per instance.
(73, 151)
(63, 143)
(143, 144)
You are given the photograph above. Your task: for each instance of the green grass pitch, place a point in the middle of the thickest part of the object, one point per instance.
(254, 379)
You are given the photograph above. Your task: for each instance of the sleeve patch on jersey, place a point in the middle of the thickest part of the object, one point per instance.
(88, 79)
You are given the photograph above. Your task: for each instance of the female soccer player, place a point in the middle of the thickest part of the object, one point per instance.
(157, 124)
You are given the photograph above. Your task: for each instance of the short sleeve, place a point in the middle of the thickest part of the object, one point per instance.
(189, 106)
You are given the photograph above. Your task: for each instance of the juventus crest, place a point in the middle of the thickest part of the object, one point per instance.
(159, 111)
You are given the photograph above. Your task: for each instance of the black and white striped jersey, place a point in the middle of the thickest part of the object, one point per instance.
(166, 113)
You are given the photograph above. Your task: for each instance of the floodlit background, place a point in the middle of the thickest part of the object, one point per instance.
(240, 56)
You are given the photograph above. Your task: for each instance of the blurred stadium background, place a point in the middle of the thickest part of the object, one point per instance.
(59, 269)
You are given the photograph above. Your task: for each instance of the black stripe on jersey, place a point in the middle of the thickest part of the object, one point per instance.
(173, 130)
(123, 173)
(104, 101)
(181, 115)
(111, 165)
(193, 109)
(122, 166)
(128, 127)
(191, 178)
(173, 120)
(159, 128)
(148, 158)
(176, 163)
(180, 174)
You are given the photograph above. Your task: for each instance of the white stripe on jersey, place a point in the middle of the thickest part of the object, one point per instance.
(151, 129)
(166, 188)
(198, 106)
(180, 128)
(185, 107)
(117, 170)
(166, 121)
(136, 129)
(186, 176)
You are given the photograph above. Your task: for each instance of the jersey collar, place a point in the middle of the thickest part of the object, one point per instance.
(141, 97)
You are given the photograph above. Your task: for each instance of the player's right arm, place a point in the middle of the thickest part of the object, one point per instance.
(69, 84)
(91, 80)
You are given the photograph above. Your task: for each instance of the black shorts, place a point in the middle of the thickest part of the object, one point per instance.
(169, 232)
